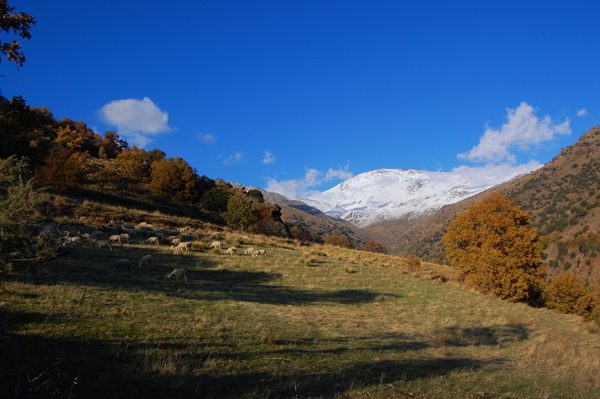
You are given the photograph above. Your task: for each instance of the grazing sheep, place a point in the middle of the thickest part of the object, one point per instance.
(115, 238)
(249, 251)
(121, 264)
(260, 252)
(193, 236)
(215, 245)
(231, 251)
(128, 226)
(175, 241)
(103, 243)
(184, 247)
(152, 240)
(244, 238)
(178, 273)
(96, 234)
(125, 237)
(147, 260)
(71, 240)
(215, 236)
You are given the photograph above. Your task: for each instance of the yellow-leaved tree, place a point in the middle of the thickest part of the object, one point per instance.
(496, 249)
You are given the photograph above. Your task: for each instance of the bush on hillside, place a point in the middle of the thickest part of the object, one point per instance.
(494, 246)
(567, 294)
(339, 241)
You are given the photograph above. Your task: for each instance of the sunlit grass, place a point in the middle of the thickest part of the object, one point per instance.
(306, 321)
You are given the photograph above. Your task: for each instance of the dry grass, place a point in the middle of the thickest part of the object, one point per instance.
(353, 324)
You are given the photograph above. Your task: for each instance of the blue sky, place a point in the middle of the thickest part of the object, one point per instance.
(300, 95)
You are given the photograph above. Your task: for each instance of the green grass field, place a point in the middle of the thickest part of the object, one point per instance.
(297, 323)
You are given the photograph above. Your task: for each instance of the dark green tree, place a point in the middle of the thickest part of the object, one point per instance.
(215, 200)
(241, 213)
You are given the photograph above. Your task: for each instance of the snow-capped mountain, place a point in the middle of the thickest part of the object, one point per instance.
(391, 194)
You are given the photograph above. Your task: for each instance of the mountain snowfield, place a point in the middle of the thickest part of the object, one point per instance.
(392, 194)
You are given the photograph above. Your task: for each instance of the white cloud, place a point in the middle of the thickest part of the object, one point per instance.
(207, 138)
(235, 158)
(268, 158)
(492, 174)
(522, 129)
(137, 120)
(582, 112)
(343, 174)
(301, 188)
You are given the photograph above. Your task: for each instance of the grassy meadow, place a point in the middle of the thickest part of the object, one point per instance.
(306, 321)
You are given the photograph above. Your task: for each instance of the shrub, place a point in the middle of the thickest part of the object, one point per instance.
(567, 294)
(413, 262)
(339, 241)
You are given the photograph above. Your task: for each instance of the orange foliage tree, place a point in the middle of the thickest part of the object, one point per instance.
(496, 249)
(339, 241)
(63, 170)
(567, 294)
(174, 177)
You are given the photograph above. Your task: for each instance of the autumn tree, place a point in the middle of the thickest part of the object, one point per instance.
(339, 241)
(241, 213)
(133, 164)
(25, 131)
(567, 294)
(63, 170)
(494, 246)
(374, 246)
(113, 144)
(20, 24)
(174, 177)
(300, 234)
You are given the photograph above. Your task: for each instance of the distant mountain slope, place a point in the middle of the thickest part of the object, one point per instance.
(563, 198)
(311, 220)
(385, 195)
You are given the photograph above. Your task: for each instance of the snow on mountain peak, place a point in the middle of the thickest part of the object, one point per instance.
(391, 194)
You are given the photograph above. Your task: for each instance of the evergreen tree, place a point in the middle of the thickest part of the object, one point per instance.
(241, 213)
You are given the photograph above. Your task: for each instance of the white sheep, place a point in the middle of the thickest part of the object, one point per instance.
(215, 236)
(178, 273)
(184, 247)
(175, 242)
(115, 238)
(71, 240)
(125, 237)
(147, 260)
(121, 264)
(260, 252)
(152, 240)
(103, 243)
(249, 251)
(215, 245)
(231, 251)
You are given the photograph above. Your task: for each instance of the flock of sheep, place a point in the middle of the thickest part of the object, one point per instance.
(107, 236)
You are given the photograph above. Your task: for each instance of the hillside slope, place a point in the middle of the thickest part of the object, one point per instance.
(563, 198)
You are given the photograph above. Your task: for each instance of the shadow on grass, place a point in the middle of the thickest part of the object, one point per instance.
(495, 335)
(205, 281)
(35, 366)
